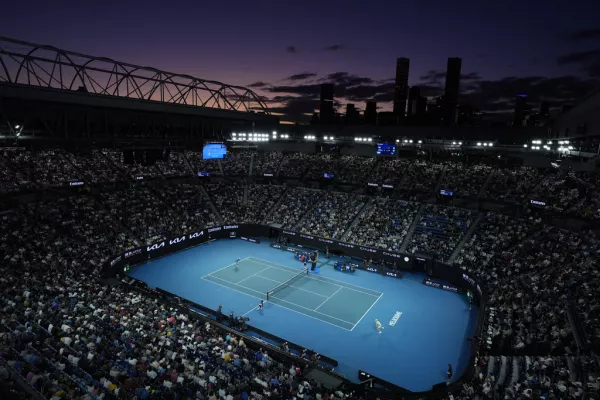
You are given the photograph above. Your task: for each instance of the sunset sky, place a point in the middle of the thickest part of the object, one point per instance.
(285, 49)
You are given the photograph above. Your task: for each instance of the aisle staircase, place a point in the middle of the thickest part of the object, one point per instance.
(364, 209)
(465, 238)
(210, 203)
(251, 164)
(189, 164)
(309, 212)
(220, 164)
(440, 180)
(275, 206)
(412, 228)
(483, 189)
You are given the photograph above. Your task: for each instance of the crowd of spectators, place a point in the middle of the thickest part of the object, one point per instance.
(294, 205)
(173, 164)
(15, 171)
(384, 224)
(261, 200)
(142, 211)
(512, 184)
(332, 215)
(388, 171)
(228, 198)
(465, 180)
(419, 176)
(71, 336)
(295, 165)
(237, 163)
(439, 230)
(199, 164)
(135, 167)
(93, 167)
(560, 187)
(266, 163)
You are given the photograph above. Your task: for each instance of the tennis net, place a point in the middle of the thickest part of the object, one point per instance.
(287, 283)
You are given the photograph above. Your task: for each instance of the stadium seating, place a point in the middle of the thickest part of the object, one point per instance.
(66, 334)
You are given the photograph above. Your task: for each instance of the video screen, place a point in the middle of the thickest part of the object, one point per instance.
(327, 176)
(203, 174)
(386, 149)
(214, 151)
(445, 192)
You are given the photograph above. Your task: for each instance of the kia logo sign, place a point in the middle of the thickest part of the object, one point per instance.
(196, 235)
(176, 240)
(155, 246)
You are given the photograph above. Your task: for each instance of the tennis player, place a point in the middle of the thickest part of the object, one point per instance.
(261, 305)
(237, 264)
(378, 326)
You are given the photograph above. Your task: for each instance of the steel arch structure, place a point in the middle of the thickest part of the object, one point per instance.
(47, 66)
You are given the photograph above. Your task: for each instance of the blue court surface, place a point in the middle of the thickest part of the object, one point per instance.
(331, 312)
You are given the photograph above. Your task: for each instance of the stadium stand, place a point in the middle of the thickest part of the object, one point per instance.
(66, 334)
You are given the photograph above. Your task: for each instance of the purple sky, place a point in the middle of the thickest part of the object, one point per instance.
(241, 42)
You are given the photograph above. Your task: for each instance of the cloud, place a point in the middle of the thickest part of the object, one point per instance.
(585, 34)
(434, 76)
(587, 61)
(346, 79)
(291, 49)
(301, 76)
(258, 85)
(334, 47)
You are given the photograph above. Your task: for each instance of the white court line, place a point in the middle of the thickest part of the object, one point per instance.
(227, 266)
(329, 298)
(366, 312)
(292, 286)
(233, 283)
(264, 269)
(252, 309)
(285, 301)
(276, 305)
(321, 278)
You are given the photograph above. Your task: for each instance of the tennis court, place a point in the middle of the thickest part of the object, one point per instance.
(328, 300)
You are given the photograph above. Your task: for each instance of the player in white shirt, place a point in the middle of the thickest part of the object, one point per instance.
(378, 326)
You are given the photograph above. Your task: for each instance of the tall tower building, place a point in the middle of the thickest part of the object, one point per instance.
(452, 89)
(520, 109)
(401, 88)
(351, 114)
(371, 113)
(326, 108)
(413, 99)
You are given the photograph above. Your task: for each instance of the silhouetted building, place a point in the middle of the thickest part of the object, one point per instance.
(413, 99)
(545, 110)
(401, 87)
(326, 114)
(352, 115)
(452, 90)
(520, 110)
(371, 113)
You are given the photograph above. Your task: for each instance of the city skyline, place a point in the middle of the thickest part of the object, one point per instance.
(285, 56)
